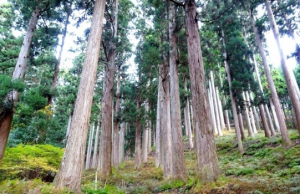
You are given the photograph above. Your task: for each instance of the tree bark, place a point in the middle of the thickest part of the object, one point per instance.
(272, 130)
(115, 156)
(158, 121)
(251, 111)
(289, 76)
(246, 113)
(145, 136)
(179, 168)
(241, 124)
(19, 73)
(215, 103)
(70, 171)
(96, 144)
(207, 160)
(188, 117)
(89, 149)
(264, 120)
(212, 110)
(225, 111)
(279, 113)
(105, 162)
(122, 142)
(137, 150)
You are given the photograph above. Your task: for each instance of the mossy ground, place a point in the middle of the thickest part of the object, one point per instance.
(266, 167)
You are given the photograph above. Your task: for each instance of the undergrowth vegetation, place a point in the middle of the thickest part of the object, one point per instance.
(265, 167)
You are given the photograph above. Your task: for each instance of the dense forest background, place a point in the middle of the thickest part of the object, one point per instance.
(120, 96)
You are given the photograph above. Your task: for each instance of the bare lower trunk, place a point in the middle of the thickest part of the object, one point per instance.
(105, 162)
(247, 116)
(115, 158)
(215, 103)
(241, 124)
(212, 110)
(89, 149)
(272, 130)
(96, 145)
(137, 150)
(179, 168)
(158, 121)
(187, 117)
(122, 142)
(221, 115)
(145, 136)
(70, 171)
(279, 113)
(19, 73)
(289, 76)
(233, 105)
(251, 113)
(264, 120)
(207, 160)
(274, 115)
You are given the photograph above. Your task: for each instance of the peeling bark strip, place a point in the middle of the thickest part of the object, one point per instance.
(207, 160)
(19, 73)
(70, 172)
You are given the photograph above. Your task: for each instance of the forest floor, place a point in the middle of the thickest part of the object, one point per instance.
(265, 167)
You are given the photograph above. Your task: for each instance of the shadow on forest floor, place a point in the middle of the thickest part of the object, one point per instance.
(265, 167)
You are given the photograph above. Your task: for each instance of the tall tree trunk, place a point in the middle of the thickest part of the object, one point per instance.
(215, 103)
(89, 149)
(212, 110)
(289, 76)
(6, 116)
(158, 131)
(251, 112)
(115, 157)
(221, 115)
(264, 120)
(167, 132)
(179, 168)
(137, 150)
(122, 142)
(96, 144)
(241, 124)
(272, 130)
(233, 105)
(70, 171)
(145, 136)
(56, 70)
(224, 103)
(187, 117)
(107, 109)
(246, 113)
(207, 160)
(279, 113)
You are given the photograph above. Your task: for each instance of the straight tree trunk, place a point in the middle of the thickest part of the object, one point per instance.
(158, 121)
(96, 144)
(149, 149)
(233, 105)
(115, 159)
(179, 168)
(137, 150)
(225, 111)
(241, 124)
(70, 171)
(246, 113)
(272, 130)
(279, 113)
(211, 106)
(207, 160)
(6, 116)
(188, 118)
(145, 136)
(89, 149)
(220, 108)
(122, 142)
(251, 111)
(264, 120)
(289, 76)
(105, 162)
(215, 103)
(274, 115)
(56, 70)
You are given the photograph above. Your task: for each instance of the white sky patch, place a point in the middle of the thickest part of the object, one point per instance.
(3, 1)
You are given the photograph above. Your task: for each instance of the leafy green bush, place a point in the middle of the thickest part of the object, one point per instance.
(30, 162)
